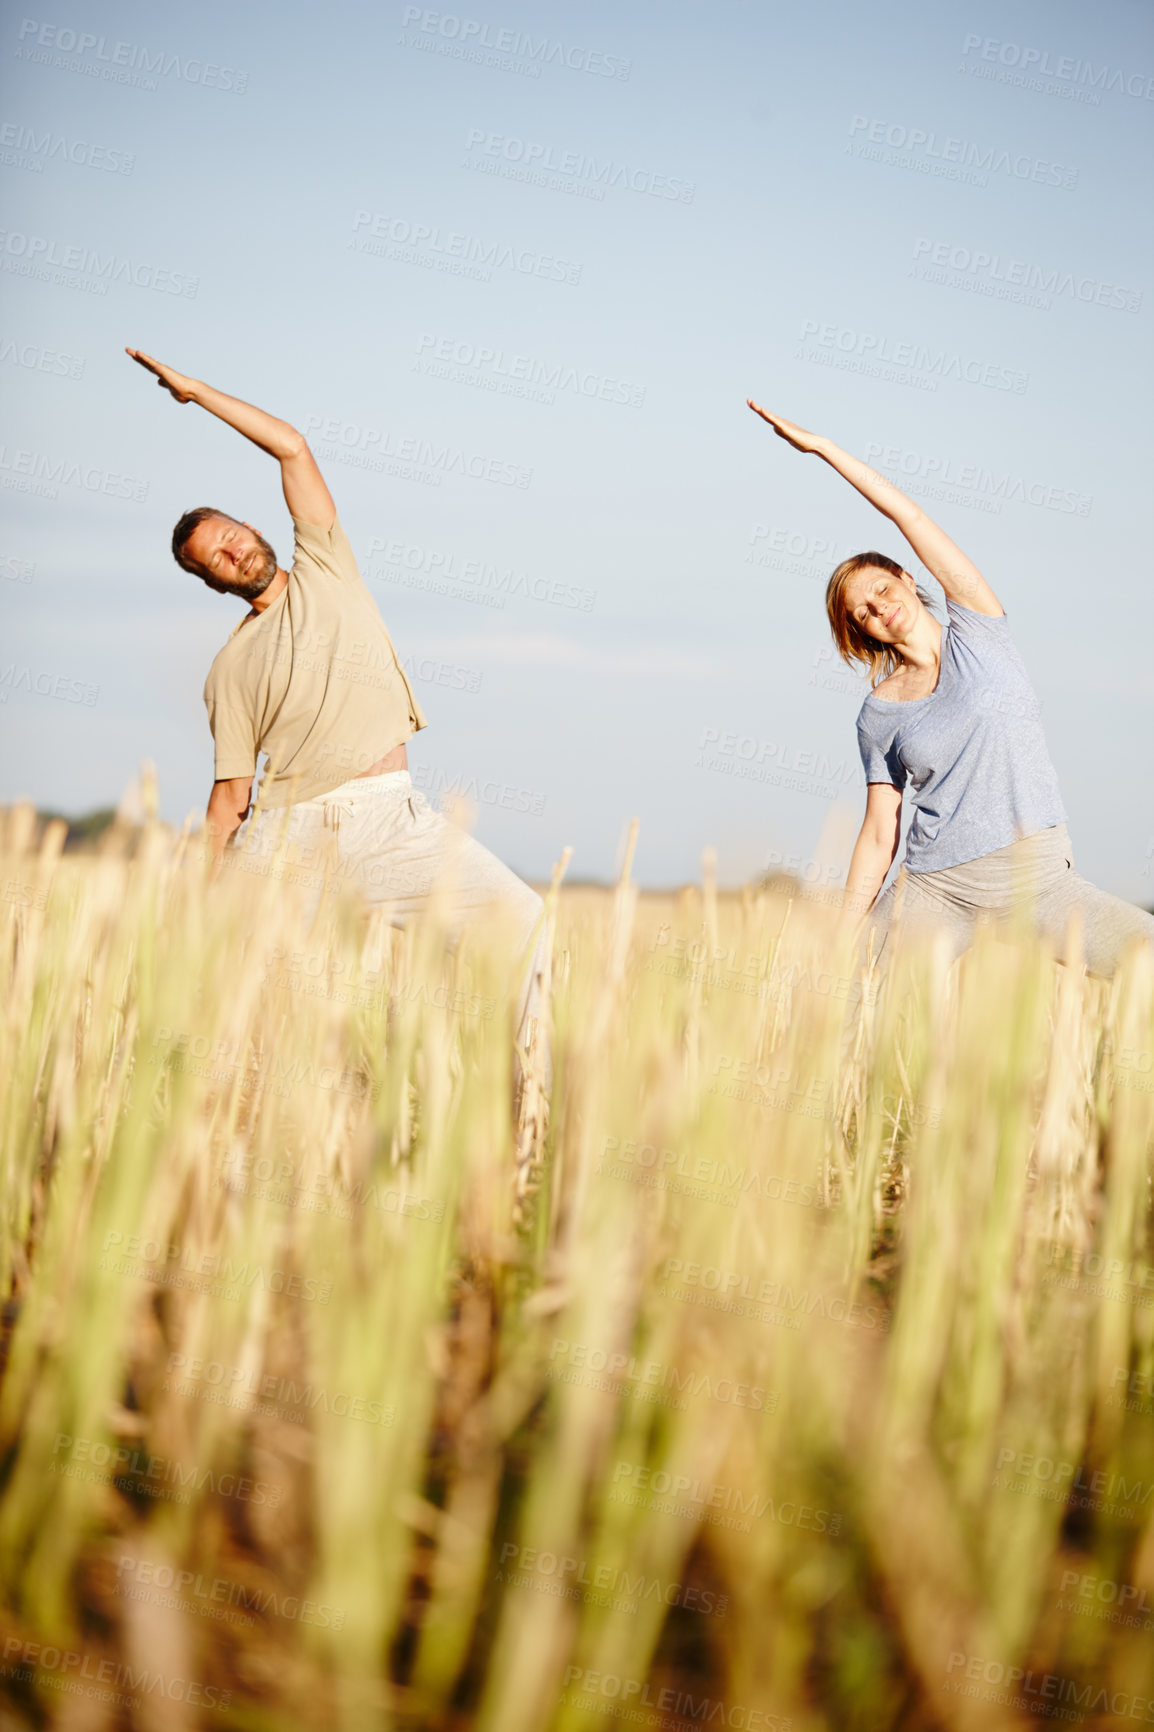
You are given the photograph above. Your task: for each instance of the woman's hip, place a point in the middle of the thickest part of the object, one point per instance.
(1028, 868)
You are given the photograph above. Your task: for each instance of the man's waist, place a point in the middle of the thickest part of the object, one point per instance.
(391, 781)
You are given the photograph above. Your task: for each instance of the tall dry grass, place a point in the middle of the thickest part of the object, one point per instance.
(800, 1373)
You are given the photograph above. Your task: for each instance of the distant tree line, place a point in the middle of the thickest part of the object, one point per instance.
(85, 830)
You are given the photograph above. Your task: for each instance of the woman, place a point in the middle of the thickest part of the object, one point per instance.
(951, 712)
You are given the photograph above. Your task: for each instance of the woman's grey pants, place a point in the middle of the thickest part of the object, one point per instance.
(379, 835)
(1038, 869)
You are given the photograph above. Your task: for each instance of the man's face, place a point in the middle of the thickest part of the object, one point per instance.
(231, 557)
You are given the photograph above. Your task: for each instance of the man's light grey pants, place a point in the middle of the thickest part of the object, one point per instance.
(380, 836)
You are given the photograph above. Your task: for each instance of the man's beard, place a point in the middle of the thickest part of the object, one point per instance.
(257, 577)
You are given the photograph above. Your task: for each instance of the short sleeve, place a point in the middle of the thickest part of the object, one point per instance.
(324, 551)
(966, 624)
(879, 755)
(233, 740)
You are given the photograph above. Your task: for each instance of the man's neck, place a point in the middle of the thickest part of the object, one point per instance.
(270, 594)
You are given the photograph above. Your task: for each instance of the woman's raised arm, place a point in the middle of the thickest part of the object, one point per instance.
(958, 576)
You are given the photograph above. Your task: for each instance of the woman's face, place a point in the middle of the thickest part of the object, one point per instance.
(883, 606)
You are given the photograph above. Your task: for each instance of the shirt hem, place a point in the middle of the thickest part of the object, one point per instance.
(947, 865)
(268, 799)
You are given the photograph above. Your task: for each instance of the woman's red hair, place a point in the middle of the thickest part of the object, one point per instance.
(853, 644)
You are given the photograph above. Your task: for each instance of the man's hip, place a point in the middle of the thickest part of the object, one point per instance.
(379, 836)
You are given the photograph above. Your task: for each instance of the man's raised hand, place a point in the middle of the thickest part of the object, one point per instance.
(788, 430)
(178, 384)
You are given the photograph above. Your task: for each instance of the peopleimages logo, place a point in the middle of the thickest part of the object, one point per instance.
(30, 255)
(1038, 62)
(26, 148)
(932, 152)
(921, 357)
(518, 375)
(469, 35)
(100, 57)
(918, 468)
(454, 786)
(37, 472)
(519, 1564)
(992, 269)
(65, 1669)
(1040, 1693)
(441, 572)
(427, 244)
(380, 450)
(531, 158)
(590, 1690)
(39, 360)
(46, 685)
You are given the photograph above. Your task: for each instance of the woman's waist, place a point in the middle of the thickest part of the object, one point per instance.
(1036, 857)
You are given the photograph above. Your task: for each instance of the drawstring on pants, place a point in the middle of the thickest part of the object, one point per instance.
(331, 813)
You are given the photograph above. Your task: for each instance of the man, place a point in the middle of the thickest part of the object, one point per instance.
(310, 677)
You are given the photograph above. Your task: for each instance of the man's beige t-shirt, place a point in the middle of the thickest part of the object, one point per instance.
(313, 681)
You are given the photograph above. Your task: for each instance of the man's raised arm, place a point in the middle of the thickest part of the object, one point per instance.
(306, 495)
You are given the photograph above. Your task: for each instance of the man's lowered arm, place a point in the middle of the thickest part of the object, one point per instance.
(227, 808)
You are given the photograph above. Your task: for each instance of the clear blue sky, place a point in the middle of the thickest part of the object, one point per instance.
(851, 186)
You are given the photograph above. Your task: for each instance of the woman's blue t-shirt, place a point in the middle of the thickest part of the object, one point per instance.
(972, 750)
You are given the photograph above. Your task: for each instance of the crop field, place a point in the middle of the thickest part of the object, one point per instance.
(788, 1363)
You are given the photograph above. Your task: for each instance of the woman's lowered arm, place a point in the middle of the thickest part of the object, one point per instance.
(875, 848)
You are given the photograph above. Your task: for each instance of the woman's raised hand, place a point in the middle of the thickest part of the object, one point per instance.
(788, 430)
(168, 377)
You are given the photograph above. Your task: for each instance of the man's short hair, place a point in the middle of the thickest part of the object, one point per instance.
(183, 532)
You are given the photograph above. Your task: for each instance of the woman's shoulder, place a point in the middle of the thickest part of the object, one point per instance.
(968, 620)
(890, 692)
(878, 718)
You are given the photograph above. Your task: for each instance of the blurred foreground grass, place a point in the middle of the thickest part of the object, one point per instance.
(799, 1379)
